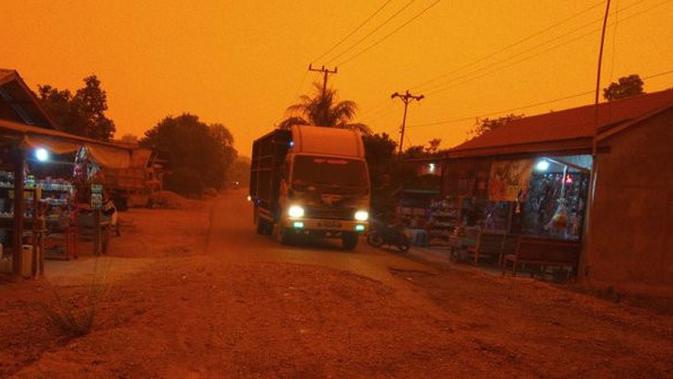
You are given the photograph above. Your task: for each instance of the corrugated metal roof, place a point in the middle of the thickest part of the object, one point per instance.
(569, 129)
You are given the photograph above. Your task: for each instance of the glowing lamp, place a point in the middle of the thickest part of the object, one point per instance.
(542, 165)
(295, 211)
(361, 215)
(41, 154)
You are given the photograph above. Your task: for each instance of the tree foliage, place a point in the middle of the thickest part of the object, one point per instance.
(323, 110)
(626, 86)
(433, 146)
(485, 125)
(83, 113)
(390, 172)
(199, 155)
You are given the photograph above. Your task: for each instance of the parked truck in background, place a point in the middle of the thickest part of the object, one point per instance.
(310, 181)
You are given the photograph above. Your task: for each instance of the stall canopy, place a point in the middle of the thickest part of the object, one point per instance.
(105, 154)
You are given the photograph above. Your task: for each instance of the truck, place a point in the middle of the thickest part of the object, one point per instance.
(310, 181)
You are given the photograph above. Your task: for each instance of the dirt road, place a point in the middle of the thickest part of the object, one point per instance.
(246, 306)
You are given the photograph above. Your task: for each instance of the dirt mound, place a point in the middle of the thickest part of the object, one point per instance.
(172, 200)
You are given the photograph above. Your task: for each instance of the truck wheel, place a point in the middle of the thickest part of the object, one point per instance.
(349, 240)
(264, 227)
(374, 239)
(261, 227)
(286, 236)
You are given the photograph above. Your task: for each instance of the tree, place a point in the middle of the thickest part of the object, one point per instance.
(486, 125)
(380, 156)
(199, 155)
(412, 152)
(379, 153)
(83, 113)
(323, 110)
(626, 86)
(433, 146)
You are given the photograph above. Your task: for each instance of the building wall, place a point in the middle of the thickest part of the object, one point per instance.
(631, 242)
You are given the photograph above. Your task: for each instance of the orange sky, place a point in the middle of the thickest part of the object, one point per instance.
(242, 62)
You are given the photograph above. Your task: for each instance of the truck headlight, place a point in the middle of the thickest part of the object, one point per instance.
(361, 215)
(295, 211)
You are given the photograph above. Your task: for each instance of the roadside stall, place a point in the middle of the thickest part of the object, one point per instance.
(50, 194)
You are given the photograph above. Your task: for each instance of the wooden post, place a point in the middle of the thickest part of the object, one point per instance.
(96, 232)
(19, 164)
(35, 233)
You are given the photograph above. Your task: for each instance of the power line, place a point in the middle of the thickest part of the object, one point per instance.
(543, 44)
(372, 31)
(391, 33)
(445, 86)
(556, 100)
(449, 84)
(514, 44)
(371, 16)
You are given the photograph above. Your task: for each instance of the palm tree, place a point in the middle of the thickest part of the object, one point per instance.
(322, 109)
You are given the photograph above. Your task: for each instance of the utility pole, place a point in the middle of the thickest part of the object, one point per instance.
(325, 73)
(406, 98)
(584, 264)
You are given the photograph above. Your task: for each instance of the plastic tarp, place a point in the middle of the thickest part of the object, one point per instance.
(55, 146)
(109, 157)
(104, 156)
(140, 157)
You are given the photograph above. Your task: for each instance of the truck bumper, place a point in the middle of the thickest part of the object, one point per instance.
(321, 226)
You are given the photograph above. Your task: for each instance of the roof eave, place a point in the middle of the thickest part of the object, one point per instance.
(579, 145)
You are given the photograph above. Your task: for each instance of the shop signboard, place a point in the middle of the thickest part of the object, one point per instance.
(508, 179)
(97, 196)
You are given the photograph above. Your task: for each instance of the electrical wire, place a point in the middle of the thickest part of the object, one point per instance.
(377, 28)
(390, 34)
(505, 48)
(556, 100)
(449, 84)
(365, 22)
(380, 108)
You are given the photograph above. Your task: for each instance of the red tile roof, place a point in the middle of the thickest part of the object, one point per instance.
(567, 129)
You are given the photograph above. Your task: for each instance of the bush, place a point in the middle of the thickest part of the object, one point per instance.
(76, 318)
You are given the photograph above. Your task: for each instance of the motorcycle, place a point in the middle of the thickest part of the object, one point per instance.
(381, 234)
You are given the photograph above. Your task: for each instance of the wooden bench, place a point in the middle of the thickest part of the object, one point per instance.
(492, 245)
(543, 252)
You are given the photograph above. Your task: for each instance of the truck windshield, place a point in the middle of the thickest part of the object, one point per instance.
(328, 171)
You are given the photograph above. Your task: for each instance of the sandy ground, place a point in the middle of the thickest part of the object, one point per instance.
(210, 298)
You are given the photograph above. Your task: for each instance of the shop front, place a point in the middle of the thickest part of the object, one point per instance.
(51, 195)
(523, 191)
(501, 199)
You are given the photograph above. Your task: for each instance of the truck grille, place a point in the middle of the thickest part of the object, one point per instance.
(330, 213)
